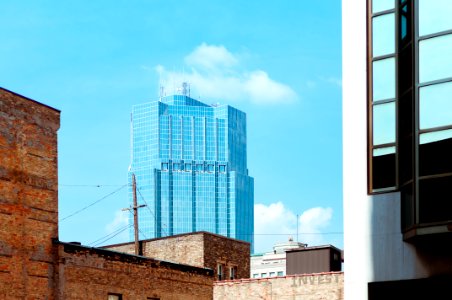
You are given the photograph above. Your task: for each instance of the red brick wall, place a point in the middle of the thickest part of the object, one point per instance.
(28, 197)
(92, 274)
(230, 254)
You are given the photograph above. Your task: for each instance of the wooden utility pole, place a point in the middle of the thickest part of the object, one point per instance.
(135, 213)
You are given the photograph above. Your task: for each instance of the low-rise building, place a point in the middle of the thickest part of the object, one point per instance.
(325, 286)
(272, 264)
(316, 259)
(230, 258)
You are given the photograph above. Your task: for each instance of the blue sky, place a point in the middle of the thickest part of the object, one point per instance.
(279, 61)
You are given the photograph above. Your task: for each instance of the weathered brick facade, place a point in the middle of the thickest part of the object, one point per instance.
(33, 263)
(28, 197)
(321, 286)
(201, 249)
(92, 273)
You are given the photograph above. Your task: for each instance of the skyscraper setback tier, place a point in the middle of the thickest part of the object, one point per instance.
(189, 160)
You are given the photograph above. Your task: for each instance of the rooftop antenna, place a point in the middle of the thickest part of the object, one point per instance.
(162, 90)
(297, 228)
(185, 89)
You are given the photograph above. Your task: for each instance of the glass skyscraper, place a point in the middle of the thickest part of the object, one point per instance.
(190, 164)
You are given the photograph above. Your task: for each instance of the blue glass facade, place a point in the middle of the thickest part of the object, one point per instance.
(190, 164)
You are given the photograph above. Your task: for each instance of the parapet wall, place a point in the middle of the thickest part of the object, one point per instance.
(93, 273)
(320, 286)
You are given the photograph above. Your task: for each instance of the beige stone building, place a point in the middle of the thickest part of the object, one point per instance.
(229, 258)
(320, 286)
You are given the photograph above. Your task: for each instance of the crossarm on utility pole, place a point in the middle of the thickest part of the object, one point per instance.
(135, 213)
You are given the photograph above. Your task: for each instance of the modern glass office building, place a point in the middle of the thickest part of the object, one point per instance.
(397, 131)
(190, 164)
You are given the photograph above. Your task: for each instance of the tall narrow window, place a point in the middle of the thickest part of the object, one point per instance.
(434, 131)
(232, 273)
(220, 271)
(382, 99)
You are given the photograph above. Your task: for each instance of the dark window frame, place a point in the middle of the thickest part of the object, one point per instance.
(370, 103)
(420, 208)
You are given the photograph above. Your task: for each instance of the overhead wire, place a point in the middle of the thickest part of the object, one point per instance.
(147, 206)
(118, 230)
(88, 185)
(109, 238)
(93, 203)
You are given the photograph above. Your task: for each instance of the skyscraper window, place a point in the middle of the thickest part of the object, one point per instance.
(178, 134)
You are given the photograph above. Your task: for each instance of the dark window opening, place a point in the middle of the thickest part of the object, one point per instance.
(220, 270)
(232, 273)
(383, 171)
(435, 157)
(407, 207)
(406, 142)
(435, 199)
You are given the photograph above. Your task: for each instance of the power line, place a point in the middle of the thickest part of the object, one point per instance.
(293, 234)
(89, 185)
(142, 198)
(104, 240)
(121, 229)
(95, 202)
(145, 236)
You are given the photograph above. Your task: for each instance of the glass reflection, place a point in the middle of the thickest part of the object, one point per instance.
(384, 129)
(435, 105)
(381, 5)
(383, 35)
(434, 58)
(434, 16)
(384, 79)
(431, 137)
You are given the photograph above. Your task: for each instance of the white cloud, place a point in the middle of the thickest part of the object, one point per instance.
(217, 74)
(120, 220)
(275, 223)
(311, 223)
(210, 57)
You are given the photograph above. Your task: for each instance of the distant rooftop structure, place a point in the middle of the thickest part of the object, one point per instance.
(273, 264)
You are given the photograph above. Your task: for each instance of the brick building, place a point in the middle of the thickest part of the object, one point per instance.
(33, 263)
(93, 273)
(28, 197)
(326, 286)
(230, 258)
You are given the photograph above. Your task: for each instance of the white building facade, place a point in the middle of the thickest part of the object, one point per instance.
(397, 117)
(272, 264)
